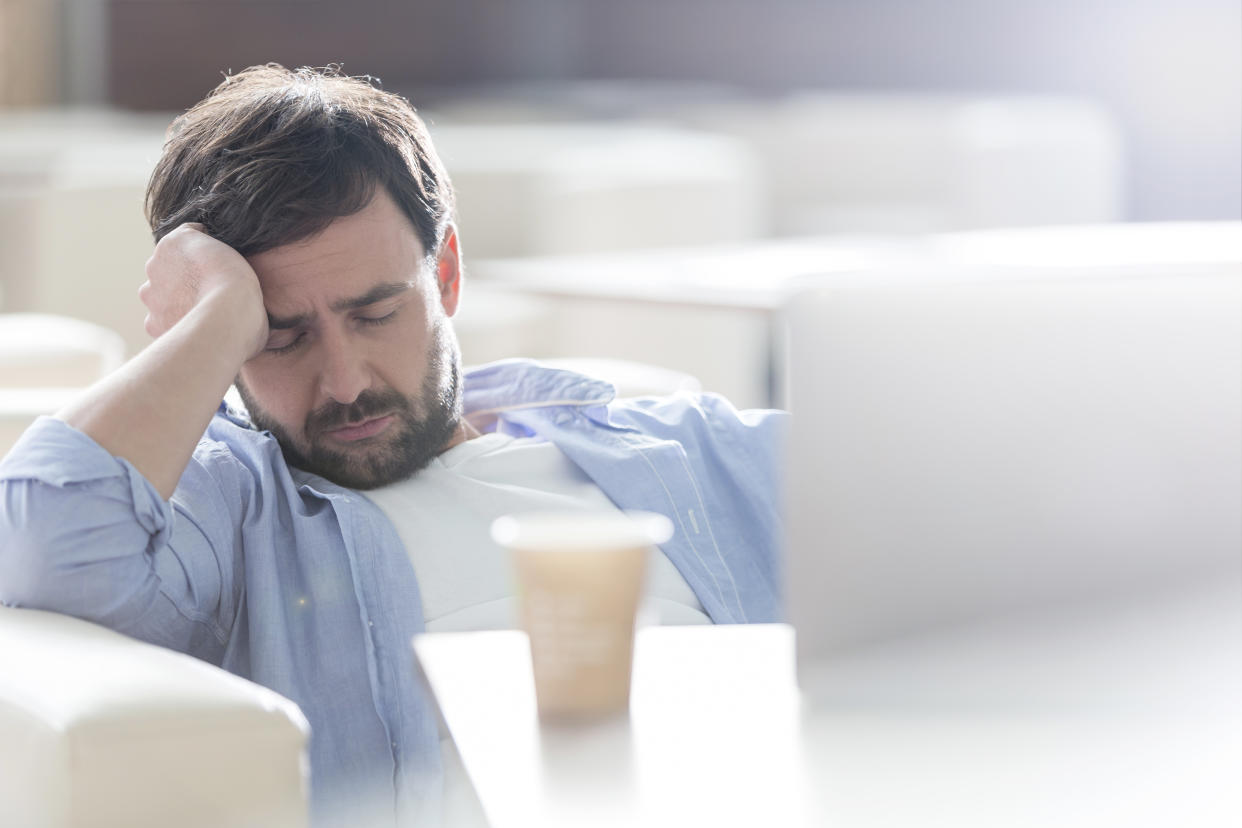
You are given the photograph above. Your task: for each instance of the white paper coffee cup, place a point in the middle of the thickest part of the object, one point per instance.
(580, 577)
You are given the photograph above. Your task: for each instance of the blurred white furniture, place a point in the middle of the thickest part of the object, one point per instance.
(42, 350)
(712, 312)
(545, 188)
(73, 239)
(1123, 718)
(596, 99)
(98, 730)
(703, 311)
(493, 324)
(44, 361)
(584, 168)
(970, 442)
(890, 163)
(849, 162)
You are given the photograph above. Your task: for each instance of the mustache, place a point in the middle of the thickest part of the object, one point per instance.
(368, 405)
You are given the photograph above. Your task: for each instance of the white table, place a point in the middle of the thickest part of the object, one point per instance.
(719, 735)
(672, 762)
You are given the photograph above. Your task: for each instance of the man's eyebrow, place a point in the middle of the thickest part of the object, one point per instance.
(379, 293)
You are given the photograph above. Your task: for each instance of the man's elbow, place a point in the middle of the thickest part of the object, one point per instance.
(51, 557)
(27, 544)
(27, 570)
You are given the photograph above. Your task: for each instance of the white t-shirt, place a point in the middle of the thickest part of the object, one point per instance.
(444, 515)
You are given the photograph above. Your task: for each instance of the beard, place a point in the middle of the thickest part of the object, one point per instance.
(424, 425)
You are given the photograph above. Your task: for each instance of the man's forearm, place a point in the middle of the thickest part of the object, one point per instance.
(153, 410)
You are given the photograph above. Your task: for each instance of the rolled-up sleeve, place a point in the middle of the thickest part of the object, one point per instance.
(84, 533)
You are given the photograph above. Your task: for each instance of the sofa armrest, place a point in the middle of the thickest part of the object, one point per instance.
(98, 729)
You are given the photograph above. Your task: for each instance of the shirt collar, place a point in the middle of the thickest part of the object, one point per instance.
(522, 383)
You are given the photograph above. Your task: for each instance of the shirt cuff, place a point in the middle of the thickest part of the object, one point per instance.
(55, 453)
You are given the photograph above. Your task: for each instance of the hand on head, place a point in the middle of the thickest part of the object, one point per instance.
(189, 268)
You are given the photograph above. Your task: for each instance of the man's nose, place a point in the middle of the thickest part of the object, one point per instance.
(345, 373)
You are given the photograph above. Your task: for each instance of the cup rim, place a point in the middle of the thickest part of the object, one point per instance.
(578, 530)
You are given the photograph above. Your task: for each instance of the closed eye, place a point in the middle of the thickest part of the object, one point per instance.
(378, 320)
(293, 344)
(279, 343)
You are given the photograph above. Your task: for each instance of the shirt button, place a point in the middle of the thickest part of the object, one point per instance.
(563, 418)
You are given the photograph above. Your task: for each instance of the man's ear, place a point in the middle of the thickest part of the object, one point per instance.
(448, 271)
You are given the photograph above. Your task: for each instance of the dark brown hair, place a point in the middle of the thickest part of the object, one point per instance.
(273, 155)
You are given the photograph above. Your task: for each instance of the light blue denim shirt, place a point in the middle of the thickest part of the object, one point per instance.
(304, 586)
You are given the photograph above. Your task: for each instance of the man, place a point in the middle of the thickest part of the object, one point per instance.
(306, 253)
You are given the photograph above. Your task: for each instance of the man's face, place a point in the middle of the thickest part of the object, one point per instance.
(360, 380)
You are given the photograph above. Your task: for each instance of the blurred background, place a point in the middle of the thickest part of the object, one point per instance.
(639, 180)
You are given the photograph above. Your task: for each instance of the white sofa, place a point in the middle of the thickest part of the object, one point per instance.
(98, 730)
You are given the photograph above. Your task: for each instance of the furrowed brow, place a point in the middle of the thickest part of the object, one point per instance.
(379, 293)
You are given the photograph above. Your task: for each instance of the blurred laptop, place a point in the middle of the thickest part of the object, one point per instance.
(981, 441)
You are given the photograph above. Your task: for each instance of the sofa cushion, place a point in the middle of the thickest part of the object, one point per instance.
(98, 729)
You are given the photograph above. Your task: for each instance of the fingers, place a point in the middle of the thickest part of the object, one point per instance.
(149, 323)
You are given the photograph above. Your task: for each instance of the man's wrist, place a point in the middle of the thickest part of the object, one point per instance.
(237, 318)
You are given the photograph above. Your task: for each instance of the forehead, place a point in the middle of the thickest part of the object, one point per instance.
(376, 244)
